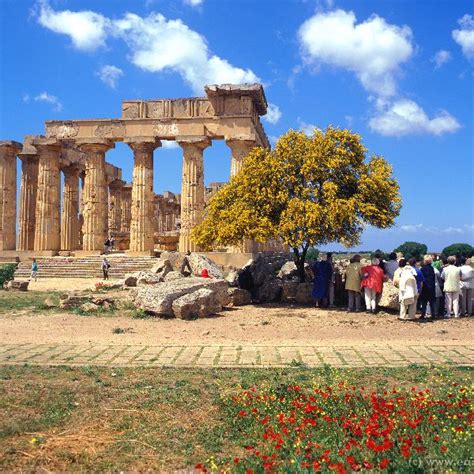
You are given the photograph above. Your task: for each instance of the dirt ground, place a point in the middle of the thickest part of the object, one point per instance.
(274, 324)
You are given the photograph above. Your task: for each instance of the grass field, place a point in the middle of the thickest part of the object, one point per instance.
(93, 419)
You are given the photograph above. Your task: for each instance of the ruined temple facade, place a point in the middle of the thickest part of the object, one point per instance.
(94, 202)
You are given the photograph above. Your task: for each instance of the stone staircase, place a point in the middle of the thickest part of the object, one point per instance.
(84, 267)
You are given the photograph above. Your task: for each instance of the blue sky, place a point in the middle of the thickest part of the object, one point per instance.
(398, 72)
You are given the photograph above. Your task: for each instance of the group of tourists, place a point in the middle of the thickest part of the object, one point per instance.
(436, 286)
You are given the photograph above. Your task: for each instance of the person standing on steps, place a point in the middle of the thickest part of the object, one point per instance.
(34, 270)
(105, 268)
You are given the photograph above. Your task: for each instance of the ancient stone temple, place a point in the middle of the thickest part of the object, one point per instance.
(93, 202)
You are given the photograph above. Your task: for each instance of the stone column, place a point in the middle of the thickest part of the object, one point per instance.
(192, 191)
(70, 214)
(8, 152)
(141, 227)
(115, 200)
(126, 208)
(81, 210)
(48, 197)
(27, 209)
(95, 195)
(240, 149)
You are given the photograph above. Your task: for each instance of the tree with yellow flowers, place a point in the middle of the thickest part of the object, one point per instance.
(307, 191)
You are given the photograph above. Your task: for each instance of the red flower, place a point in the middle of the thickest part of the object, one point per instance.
(384, 463)
(242, 413)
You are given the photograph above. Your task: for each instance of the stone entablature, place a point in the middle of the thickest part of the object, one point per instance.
(94, 202)
(229, 112)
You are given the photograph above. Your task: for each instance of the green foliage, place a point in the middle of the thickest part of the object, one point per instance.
(380, 254)
(465, 250)
(7, 272)
(312, 254)
(412, 249)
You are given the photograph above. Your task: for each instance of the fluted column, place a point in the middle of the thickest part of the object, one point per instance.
(240, 149)
(115, 212)
(48, 197)
(27, 208)
(192, 191)
(8, 151)
(141, 227)
(126, 208)
(95, 196)
(70, 210)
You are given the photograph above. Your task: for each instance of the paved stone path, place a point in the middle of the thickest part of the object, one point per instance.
(234, 356)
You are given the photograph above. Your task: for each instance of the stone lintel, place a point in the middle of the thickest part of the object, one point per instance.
(117, 184)
(254, 91)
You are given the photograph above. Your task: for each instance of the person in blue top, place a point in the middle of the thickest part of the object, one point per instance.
(34, 270)
(420, 278)
(322, 271)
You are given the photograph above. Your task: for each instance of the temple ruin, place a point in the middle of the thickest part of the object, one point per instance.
(95, 202)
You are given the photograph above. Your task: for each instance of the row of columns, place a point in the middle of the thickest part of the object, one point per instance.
(43, 228)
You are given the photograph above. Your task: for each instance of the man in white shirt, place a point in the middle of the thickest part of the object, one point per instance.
(467, 286)
(452, 287)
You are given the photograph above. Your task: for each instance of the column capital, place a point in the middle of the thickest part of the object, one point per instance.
(239, 141)
(143, 144)
(72, 170)
(10, 146)
(117, 184)
(27, 157)
(200, 141)
(99, 145)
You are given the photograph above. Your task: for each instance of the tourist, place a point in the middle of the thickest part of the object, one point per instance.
(107, 245)
(405, 279)
(186, 269)
(332, 281)
(452, 287)
(437, 262)
(438, 305)
(428, 290)
(112, 243)
(391, 265)
(105, 268)
(322, 271)
(467, 286)
(34, 270)
(372, 283)
(205, 273)
(353, 277)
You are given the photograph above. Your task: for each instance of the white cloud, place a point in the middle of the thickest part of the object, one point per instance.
(169, 144)
(193, 3)
(273, 114)
(406, 117)
(48, 98)
(442, 56)
(305, 127)
(373, 50)
(465, 35)
(434, 230)
(87, 29)
(156, 44)
(109, 75)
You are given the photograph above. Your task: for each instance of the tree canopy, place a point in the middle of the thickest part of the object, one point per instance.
(465, 250)
(412, 250)
(307, 191)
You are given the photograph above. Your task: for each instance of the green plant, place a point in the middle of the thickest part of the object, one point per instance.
(7, 273)
(464, 250)
(312, 254)
(412, 250)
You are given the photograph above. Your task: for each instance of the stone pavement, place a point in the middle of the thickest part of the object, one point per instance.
(234, 356)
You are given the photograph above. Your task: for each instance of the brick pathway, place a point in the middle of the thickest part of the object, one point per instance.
(234, 356)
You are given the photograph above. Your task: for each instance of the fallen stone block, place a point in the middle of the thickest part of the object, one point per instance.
(199, 304)
(18, 285)
(239, 297)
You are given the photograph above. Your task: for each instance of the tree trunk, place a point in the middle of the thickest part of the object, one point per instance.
(299, 262)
